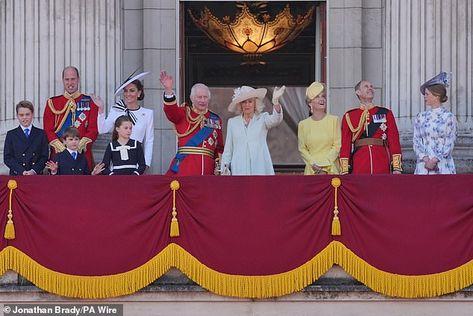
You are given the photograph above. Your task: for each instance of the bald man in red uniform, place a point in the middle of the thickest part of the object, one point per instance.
(370, 138)
(199, 131)
(71, 109)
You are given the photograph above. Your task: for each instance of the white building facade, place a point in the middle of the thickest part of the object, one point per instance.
(395, 44)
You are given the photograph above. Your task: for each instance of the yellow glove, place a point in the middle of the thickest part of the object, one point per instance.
(57, 145)
(82, 147)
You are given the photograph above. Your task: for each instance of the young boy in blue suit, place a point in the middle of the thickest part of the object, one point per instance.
(26, 147)
(69, 161)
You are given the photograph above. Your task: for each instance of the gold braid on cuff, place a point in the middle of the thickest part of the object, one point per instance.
(344, 166)
(397, 164)
(83, 144)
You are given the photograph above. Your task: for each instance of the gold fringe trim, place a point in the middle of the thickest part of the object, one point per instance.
(86, 286)
(94, 287)
(253, 286)
(404, 286)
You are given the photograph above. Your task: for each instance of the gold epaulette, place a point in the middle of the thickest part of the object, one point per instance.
(54, 110)
(359, 129)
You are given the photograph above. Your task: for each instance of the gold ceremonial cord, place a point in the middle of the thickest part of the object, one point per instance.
(196, 121)
(357, 131)
(70, 105)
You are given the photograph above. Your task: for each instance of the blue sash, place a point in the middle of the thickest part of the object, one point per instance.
(196, 140)
(82, 105)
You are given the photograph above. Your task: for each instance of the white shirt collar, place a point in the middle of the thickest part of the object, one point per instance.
(71, 151)
(28, 127)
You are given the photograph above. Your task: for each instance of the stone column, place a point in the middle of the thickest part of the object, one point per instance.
(160, 29)
(150, 43)
(38, 38)
(355, 51)
(421, 39)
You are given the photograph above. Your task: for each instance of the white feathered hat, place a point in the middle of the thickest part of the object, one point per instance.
(244, 93)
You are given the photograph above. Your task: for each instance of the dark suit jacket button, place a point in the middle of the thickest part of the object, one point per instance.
(24, 155)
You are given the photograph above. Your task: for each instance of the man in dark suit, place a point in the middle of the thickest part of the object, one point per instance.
(26, 147)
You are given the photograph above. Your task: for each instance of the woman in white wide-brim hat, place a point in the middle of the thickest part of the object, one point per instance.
(142, 118)
(246, 150)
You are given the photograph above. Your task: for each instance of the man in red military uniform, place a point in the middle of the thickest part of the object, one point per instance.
(199, 131)
(370, 138)
(71, 109)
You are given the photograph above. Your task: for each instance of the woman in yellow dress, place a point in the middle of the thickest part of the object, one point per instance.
(319, 135)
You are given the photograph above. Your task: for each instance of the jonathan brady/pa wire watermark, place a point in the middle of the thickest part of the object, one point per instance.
(63, 309)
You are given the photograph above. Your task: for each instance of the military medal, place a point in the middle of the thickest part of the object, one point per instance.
(379, 118)
(383, 127)
(210, 141)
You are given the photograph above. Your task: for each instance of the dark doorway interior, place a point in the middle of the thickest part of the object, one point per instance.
(205, 61)
(294, 65)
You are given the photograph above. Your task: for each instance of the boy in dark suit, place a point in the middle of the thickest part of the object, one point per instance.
(26, 147)
(69, 161)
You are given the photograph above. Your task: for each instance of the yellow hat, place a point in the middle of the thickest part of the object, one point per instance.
(314, 90)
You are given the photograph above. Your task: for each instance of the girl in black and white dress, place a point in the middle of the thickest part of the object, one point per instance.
(123, 156)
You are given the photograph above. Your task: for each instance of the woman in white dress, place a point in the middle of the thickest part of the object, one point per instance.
(246, 150)
(142, 118)
(435, 130)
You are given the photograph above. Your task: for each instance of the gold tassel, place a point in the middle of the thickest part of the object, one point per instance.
(174, 228)
(336, 229)
(10, 227)
(174, 222)
(336, 226)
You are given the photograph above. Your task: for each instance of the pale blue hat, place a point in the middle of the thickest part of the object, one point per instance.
(441, 78)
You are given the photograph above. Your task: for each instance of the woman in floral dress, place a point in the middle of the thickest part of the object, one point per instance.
(435, 130)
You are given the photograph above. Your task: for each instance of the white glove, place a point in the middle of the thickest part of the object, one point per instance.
(277, 93)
